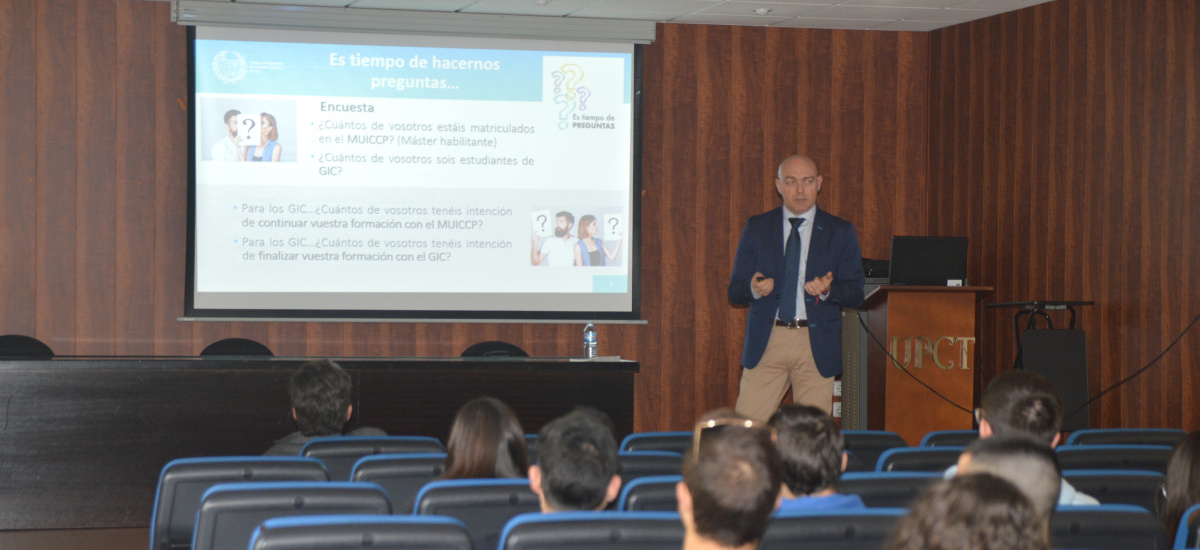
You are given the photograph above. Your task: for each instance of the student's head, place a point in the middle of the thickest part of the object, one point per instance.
(577, 463)
(971, 512)
(231, 120)
(563, 221)
(586, 227)
(731, 482)
(320, 394)
(486, 440)
(1021, 402)
(269, 131)
(811, 446)
(1028, 464)
(1183, 480)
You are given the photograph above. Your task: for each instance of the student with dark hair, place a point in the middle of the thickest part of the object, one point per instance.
(320, 395)
(1025, 404)
(1183, 480)
(577, 463)
(731, 483)
(1029, 465)
(486, 440)
(972, 512)
(813, 452)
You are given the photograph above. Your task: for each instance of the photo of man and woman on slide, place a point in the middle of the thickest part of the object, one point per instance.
(558, 241)
(248, 135)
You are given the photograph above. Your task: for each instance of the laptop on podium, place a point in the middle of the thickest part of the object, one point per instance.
(928, 261)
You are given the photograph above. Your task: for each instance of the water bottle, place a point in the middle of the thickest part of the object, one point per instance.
(589, 341)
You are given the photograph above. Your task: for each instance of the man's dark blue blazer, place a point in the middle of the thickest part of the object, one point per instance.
(832, 248)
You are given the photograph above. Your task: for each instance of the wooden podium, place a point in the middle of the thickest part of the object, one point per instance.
(931, 333)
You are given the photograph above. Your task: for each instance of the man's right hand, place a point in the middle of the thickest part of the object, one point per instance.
(761, 285)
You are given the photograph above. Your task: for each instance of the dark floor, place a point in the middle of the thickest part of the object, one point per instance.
(73, 539)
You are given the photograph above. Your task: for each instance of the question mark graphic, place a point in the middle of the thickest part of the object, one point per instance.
(248, 126)
(584, 94)
(558, 80)
(575, 73)
(567, 107)
(542, 218)
(614, 224)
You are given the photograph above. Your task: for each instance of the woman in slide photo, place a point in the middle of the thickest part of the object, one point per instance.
(268, 149)
(590, 250)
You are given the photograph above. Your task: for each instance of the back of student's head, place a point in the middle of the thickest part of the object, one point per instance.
(486, 440)
(811, 445)
(1028, 464)
(320, 394)
(1021, 402)
(971, 512)
(1183, 480)
(577, 457)
(734, 479)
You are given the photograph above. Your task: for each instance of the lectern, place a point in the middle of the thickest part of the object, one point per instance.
(930, 334)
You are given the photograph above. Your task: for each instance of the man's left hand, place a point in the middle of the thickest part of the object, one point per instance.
(820, 285)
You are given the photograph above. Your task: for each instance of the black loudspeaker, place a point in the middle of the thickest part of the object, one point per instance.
(1061, 356)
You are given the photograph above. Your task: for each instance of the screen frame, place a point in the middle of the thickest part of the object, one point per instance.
(192, 313)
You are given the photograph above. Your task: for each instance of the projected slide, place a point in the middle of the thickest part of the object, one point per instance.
(380, 173)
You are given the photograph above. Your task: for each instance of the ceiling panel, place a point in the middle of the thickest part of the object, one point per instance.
(894, 15)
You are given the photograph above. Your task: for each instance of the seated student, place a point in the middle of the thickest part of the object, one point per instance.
(577, 463)
(1183, 480)
(1029, 465)
(972, 512)
(320, 394)
(1024, 403)
(813, 451)
(486, 440)
(731, 483)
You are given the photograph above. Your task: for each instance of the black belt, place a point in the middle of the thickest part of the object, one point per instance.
(795, 323)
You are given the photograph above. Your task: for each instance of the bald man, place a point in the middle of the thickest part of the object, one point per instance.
(796, 267)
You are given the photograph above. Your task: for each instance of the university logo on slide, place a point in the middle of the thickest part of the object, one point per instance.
(229, 66)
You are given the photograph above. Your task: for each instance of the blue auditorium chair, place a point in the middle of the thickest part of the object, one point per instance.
(675, 442)
(649, 494)
(1135, 487)
(367, 532)
(340, 452)
(1187, 536)
(831, 529)
(1114, 457)
(949, 438)
(593, 531)
(401, 475)
(918, 459)
(635, 464)
(230, 512)
(867, 445)
(1126, 436)
(184, 481)
(483, 505)
(1107, 527)
(887, 489)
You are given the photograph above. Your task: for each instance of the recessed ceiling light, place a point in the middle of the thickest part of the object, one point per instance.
(761, 11)
(540, 2)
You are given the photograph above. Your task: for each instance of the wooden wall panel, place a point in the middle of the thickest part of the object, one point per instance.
(1067, 132)
(103, 215)
(95, 273)
(18, 168)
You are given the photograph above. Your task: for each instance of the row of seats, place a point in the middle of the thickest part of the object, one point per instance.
(232, 515)
(484, 505)
(867, 446)
(1110, 527)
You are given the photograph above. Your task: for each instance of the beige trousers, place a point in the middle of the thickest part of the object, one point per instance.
(787, 360)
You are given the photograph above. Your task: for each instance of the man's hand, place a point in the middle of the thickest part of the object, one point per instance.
(820, 285)
(761, 285)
